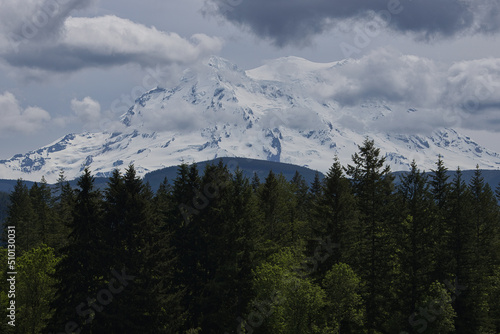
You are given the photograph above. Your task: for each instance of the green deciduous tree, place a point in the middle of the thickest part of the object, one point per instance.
(35, 288)
(435, 312)
(5, 299)
(285, 302)
(344, 303)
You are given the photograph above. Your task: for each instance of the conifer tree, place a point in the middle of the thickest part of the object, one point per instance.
(4, 203)
(45, 217)
(415, 235)
(335, 216)
(270, 201)
(187, 240)
(440, 189)
(114, 204)
(461, 248)
(64, 200)
(275, 199)
(138, 308)
(439, 183)
(245, 206)
(39, 207)
(186, 194)
(485, 215)
(163, 205)
(300, 190)
(373, 187)
(255, 182)
(316, 186)
(169, 296)
(497, 192)
(485, 254)
(227, 232)
(22, 215)
(80, 270)
(462, 231)
(216, 227)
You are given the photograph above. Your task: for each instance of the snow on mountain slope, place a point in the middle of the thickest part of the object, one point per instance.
(290, 69)
(278, 112)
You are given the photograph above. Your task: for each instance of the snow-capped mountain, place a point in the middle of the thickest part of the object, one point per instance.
(280, 112)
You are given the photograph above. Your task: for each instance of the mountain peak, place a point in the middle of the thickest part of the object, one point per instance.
(220, 63)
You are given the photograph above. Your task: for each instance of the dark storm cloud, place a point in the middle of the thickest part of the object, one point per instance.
(62, 59)
(40, 20)
(296, 21)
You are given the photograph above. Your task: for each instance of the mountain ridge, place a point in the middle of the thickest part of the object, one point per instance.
(269, 113)
(251, 166)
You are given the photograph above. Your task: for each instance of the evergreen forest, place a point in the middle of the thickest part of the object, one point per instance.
(215, 252)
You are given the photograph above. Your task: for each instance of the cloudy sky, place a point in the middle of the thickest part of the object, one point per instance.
(74, 65)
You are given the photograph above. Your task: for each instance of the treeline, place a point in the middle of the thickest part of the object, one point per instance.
(215, 252)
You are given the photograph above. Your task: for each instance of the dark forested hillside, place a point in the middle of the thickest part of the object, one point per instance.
(249, 167)
(4, 202)
(213, 249)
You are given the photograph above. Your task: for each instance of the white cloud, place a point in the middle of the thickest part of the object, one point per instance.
(87, 110)
(464, 94)
(111, 36)
(296, 118)
(475, 84)
(385, 75)
(110, 41)
(179, 116)
(15, 119)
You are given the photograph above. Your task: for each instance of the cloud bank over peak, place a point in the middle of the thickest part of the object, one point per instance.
(421, 94)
